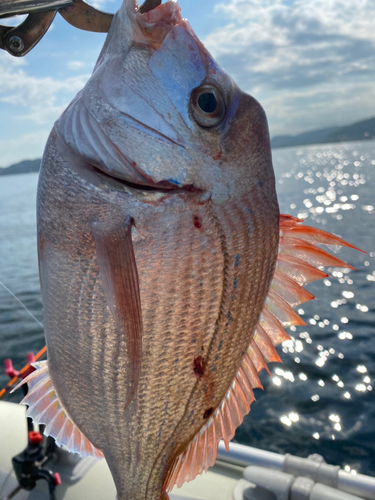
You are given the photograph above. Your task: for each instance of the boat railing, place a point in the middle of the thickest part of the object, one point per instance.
(333, 476)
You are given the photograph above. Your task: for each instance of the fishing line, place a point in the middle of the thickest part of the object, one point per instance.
(40, 353)
(23, 305)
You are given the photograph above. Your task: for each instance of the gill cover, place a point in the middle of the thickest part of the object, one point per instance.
(143, 103)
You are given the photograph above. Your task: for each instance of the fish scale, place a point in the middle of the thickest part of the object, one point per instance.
(178, 275)
(218, 229)
(195, 329)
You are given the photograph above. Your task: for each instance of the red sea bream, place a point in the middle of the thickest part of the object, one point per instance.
(167, 272)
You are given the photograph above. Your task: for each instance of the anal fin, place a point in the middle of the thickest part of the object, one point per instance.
(44, 407)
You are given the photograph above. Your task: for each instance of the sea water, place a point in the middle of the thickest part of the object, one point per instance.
(322, 398)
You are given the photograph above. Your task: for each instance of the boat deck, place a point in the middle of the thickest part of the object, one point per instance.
(91, 478)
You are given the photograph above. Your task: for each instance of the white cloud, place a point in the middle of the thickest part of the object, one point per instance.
(38, 101)
(74, 65)
(308, 61)
(100, 4)
(43, 98)
(23, 147)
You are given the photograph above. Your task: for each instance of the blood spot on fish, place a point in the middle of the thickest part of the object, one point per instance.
(197, 221)
(208, 413)
(41, 244)
(213, 71)
(199, 366)
(237, 260)
(218, 155)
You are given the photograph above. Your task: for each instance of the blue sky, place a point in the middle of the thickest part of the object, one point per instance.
(311, 64)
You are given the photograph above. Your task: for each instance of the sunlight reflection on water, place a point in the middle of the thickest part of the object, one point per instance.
(320, 400)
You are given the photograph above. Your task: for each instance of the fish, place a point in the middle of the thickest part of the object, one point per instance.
(167, 273)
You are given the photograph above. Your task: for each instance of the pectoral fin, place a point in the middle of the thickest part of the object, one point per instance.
(118, 271)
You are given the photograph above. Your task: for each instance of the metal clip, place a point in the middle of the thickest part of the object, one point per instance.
(19, 40)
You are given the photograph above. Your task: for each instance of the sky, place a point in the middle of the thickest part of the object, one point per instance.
(310, 63)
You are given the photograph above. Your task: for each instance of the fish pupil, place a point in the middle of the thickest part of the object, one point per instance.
(207, 102)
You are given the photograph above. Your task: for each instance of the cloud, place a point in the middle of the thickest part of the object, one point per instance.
(74, 65)
(23, 147)
(101, 4)
(30, 103)
(42, 98)
(302, 55)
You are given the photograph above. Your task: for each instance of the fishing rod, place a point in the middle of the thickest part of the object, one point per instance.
(19, 40)
(22, 372)
(29, 466)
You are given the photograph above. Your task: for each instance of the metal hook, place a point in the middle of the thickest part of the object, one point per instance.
(81, 15)
(149, 5)
(10, 8)
(19, 40)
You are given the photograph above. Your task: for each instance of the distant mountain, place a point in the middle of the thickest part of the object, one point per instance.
(23, 167)
(359, 131)
(313, 137)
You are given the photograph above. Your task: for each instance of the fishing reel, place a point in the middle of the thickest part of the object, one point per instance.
(19, 40)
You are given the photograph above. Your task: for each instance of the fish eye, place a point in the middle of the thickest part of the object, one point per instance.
(207, 106)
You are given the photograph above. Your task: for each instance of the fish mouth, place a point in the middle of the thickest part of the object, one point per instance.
(153, 20)
(163, 187)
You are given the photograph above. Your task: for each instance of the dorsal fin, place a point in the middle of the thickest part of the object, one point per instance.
(44, 407)
(297, 264)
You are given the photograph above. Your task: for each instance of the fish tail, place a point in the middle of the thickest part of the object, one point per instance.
(44, 407)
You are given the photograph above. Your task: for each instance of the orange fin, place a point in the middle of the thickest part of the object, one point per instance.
(298, 270)
(282, 310)
(44, 407)
(265, 345)
(273, 327)
(310, 253)
(312, 235)
(289, 290)
(296, 265)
